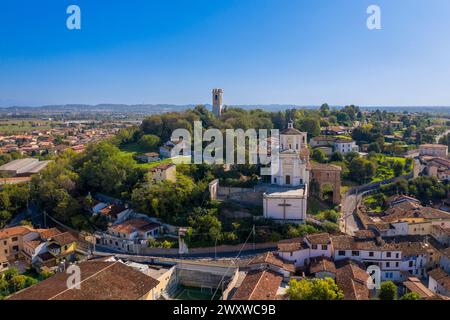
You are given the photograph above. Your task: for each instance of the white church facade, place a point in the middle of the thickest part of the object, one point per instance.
(286, 199)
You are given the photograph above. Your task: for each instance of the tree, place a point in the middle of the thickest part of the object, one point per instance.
(410, 296)
(311, 126)
(361, 170)
(104, 168)
(397, 167)
(374, 147)
(319, 156)
(388, 291)
(337, 156)
(149, 142)
(314, 289)
(325, 110)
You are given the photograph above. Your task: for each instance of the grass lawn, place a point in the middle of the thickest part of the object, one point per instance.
(132, 149)
(384, 170)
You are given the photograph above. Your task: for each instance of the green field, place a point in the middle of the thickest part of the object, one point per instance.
(133, 149)
(191, 293)
(15, 126)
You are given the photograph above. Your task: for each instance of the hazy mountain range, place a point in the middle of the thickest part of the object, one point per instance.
(160, 108)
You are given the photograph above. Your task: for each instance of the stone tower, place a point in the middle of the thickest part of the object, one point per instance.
(217, 95)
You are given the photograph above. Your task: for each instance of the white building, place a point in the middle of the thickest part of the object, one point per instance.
(397, 258)
(345, 146)
(286, 200)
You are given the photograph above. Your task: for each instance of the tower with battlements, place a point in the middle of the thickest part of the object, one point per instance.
(217, 95)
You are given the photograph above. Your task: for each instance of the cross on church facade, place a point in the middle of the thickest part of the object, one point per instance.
(284, 205)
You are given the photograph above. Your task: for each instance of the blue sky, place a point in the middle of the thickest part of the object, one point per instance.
(301, 52)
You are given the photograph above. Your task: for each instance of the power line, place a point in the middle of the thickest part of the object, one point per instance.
(229, 267)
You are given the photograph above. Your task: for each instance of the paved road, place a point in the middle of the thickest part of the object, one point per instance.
(348, 223)
(231, 254)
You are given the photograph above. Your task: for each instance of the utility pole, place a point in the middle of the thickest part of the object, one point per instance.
(254, 233)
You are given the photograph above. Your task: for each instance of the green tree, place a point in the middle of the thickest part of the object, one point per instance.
(314, 289)
(149, 142)
(310, 125)
(410, 296)
(337, 156)
(397, 167)
(361, 170)
(374, 147)
(388, 291)
(319, 156)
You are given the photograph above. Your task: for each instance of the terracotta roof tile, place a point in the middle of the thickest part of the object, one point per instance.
(259, 285)
(99, 281)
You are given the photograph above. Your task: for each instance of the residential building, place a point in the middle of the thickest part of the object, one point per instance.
(434, 150)
(351, 278)
(259, 285)
(100, 280)
(414, 285)
(345, 146)
(164, 172)
(439, 282)
(341, 145)
(127, 236)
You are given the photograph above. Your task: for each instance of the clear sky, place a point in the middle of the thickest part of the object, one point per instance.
(302, 52)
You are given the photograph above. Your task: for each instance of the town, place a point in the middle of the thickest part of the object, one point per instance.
(358, 207)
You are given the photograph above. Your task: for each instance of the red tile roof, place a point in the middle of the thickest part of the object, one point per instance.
(99, 281)
(259, 285)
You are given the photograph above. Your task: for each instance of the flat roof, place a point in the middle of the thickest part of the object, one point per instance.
(285, 192)
(17, 164)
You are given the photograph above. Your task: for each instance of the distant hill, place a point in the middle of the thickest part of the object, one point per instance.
(161, 108)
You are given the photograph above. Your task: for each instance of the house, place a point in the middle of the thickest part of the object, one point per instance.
(434, 150)
(270, 261)
(100, 280)
(437, 167)
(351, 278)
(97, 206)
(322, 267)
(300, 251)
(398, 199)
(439, 282)
(395, 256)
(441, 234)
(62, 247)
(128, 235)
(11, 244)
(36, 247)
(148, 157)
(345, 146)
(335, 130)
(115, 213)
(414, 285)
(445, 259)
(166, 151)
(164, 172)
(338, 144)
(259, 285)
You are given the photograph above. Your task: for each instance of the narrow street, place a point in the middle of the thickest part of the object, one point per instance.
(348, 222)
